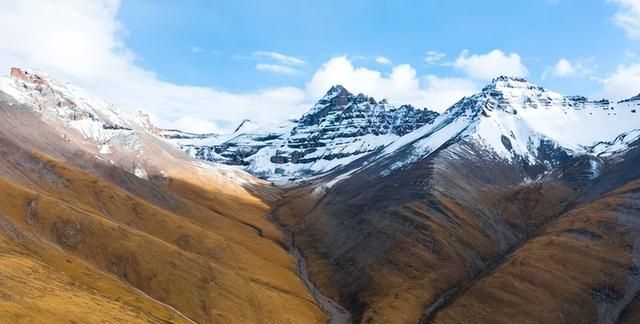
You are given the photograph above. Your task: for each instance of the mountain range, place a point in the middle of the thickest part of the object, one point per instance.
(510, 118)
(515, 205)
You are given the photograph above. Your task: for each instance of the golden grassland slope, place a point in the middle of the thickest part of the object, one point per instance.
(190, 245)
(575, 271)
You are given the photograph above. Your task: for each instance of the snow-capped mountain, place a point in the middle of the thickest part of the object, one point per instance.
(513, 185)
(68, 106)
(128, 140)
(511, 118)
(340, 128)
(517, 121)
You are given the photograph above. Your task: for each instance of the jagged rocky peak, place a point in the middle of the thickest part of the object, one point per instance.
(339, 128)
(337, 98)
(340, 105)
(337, 95)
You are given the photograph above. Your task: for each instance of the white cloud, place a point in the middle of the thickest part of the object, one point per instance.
(277, 62)
(434, 57)
(623, 83)
(628, 17)
(490, 65)
(402, 86)
(279, 57)
(382, 60)
(571, 68)
(564, 67)
(281, 69)
(196, 125)
(80, 42)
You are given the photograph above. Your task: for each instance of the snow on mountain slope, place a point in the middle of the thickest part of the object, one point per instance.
(518, 121)
(339, 129)
(118, 137)
(234, 149)
(71, 107)
(519, 115)
(511, 118)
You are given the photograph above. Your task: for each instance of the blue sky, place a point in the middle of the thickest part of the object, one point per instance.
(225, 32)
(206, 65)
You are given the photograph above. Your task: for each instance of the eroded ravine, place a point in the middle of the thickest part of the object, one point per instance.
(335, 313)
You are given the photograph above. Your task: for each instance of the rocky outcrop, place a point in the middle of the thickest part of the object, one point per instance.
(339, 128)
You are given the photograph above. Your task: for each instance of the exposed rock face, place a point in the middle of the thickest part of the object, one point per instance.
(341, 119)
(340, 128)
(513, 206)
(18, 74)
(519, 121)
(516, 205)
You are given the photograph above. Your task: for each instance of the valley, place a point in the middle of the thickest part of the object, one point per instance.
(501, 209)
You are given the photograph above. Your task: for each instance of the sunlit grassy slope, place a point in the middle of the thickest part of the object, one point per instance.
(85, 241)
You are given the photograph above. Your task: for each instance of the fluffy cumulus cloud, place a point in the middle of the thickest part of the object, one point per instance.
(623, 83)
(628, 17)
(570, 68)
(80, 42)
(564, 67)
(401, 86)
(490, 65)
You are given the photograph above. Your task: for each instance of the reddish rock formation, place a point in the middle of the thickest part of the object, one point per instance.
(18, 74)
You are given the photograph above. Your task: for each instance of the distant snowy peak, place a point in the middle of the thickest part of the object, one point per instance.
(518, 119)
(512, 95)
(69, 108)
(511, 118)
(340, 128)
(341, 107)
(67, 102)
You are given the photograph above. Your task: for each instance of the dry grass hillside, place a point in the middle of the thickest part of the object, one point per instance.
(458, 239)
(85, 241)
(583, 268)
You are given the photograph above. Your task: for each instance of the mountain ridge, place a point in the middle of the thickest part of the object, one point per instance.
(400, 215)
(515, 106)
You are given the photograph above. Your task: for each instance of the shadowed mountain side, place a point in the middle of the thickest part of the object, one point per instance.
(580, 268)
(390, 247)
(583, 268)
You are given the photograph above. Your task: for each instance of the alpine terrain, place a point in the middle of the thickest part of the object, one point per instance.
(515, 205)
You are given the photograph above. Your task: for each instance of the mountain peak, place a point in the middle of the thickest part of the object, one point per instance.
(337, 90)
(510, 82)
(507, 78)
